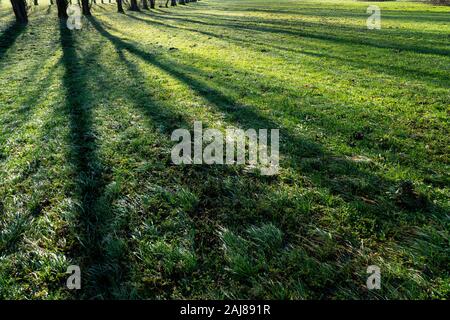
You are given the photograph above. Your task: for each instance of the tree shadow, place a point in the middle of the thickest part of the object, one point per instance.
(9, 36)
(352, 32)
(327, 170)
(296, 25)
(90, 176)
(380, 43)
(327, 120)
(18, 118)
(346, 13)
(334, 173)
(389, 69)
(103, 275)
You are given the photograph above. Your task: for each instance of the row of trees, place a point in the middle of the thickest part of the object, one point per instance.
(20, 7)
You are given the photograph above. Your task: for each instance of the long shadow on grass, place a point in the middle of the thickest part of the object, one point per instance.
(301, 25)
(338, 181)
(328, 11)
(20, 116)
(332, 172)
(326, 121)
(412, 38)
(181, 73)
(90, 177)
(166, 119)
(9, 36)
(103, 275)
(379, 67)
(377, 43)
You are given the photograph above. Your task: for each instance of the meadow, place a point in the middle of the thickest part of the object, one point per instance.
(86, 176)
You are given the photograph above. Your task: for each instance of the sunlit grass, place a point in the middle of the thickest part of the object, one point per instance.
(86, 176)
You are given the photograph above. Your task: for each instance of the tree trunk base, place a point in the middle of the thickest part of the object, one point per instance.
(20, 10)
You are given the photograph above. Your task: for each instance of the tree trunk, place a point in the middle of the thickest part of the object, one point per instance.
(36, 2)
(181, 2)
(152, 4)
(20, 10)
(134, 5)
(62, 8)
(51, 2)
(119, 6)
(145, 5)
(173, 3)
(85, 7)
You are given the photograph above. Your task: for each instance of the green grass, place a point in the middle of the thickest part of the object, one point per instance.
(86, 176)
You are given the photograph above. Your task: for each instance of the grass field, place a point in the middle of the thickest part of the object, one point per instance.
(86, 176)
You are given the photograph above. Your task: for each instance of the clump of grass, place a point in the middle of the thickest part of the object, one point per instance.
(248, 257)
